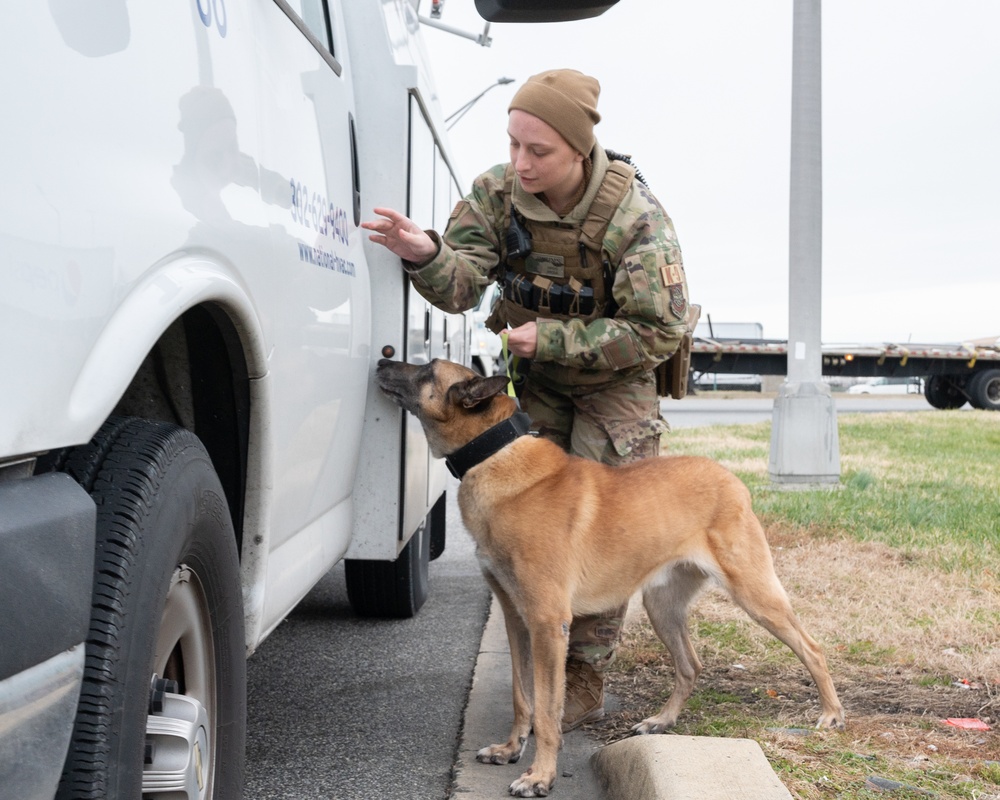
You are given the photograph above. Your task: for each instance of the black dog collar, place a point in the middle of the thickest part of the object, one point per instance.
(488, 443)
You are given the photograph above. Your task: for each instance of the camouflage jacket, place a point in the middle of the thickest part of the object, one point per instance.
(649, 285)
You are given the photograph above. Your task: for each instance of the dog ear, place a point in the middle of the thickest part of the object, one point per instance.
(474, 391)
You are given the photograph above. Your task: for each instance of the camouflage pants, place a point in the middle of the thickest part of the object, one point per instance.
(615, 425)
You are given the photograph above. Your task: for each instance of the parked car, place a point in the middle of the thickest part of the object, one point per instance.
(889, 386)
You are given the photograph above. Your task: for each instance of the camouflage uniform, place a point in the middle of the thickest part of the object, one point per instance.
(590, 387)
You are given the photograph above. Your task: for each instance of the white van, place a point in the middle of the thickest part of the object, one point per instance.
(189, 321)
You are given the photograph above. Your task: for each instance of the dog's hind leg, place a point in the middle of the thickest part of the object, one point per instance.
(521, 684)
(667, 607)
(755, 587)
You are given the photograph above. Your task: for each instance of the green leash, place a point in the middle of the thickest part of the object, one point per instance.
(510, 365)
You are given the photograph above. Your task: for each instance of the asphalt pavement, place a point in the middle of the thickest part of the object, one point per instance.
(342, 708)
(708, 408)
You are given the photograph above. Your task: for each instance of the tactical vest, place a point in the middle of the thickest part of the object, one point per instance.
(569, 272)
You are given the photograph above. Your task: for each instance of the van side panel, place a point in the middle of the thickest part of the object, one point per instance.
(169, 157)
(88, 206)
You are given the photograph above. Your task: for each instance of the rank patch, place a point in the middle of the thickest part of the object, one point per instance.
(678, 303)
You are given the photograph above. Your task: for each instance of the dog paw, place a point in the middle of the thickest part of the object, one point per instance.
(831, 719)
(651, 725)
(529, 786)
(499, 754)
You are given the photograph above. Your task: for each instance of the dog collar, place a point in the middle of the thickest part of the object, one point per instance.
(488, 443)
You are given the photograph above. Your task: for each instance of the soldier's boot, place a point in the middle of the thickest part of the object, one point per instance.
(584, 695)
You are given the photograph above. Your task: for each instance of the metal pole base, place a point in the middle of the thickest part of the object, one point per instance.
(805, 451)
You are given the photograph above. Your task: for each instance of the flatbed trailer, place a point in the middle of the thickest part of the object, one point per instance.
(954, 374)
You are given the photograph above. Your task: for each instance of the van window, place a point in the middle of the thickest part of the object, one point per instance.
(316, 16)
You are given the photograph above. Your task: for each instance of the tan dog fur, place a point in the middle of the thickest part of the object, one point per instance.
(560, 536)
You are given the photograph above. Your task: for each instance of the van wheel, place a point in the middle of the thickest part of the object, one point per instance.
(942, 392)
(164, 695)
(984, 390)
(391, 588)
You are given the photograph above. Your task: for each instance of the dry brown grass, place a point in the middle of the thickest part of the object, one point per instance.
(896, 574)
(908, 646)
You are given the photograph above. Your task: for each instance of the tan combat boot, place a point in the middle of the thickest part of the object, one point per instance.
(584, 695)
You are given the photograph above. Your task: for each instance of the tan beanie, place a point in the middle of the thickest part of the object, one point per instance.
(566, 100)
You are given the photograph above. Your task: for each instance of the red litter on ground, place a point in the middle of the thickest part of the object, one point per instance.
(967, 723)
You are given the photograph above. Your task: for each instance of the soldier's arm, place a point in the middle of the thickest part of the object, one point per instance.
(650, 289)
(468, 252)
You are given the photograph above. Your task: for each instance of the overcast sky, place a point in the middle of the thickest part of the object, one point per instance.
(699, 94)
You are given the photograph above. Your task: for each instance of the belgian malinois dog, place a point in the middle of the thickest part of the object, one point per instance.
(560, 536)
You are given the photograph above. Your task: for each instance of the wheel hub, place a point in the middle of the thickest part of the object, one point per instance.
(177, 745)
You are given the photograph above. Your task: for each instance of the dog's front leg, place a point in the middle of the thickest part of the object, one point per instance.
(521, 684)
(549, 644)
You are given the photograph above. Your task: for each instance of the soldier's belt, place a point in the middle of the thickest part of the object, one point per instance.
(542, 295)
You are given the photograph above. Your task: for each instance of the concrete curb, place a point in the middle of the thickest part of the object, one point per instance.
(661, 767)
(687, 768)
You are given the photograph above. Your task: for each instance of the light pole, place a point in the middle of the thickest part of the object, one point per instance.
(462, 111)
(804, 443)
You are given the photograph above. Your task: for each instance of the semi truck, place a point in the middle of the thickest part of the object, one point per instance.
(189, 322)
(953, 373)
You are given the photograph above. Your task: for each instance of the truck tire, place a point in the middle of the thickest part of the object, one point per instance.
(163, 702)
(984, 390)
(943, 393)
(393, 589)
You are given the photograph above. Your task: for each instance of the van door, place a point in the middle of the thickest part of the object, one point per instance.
(317, 285)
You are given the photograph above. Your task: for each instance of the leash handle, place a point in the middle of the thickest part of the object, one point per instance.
(511, 373)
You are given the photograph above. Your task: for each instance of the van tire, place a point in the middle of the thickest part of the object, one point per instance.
(391, 589)
(167, 604)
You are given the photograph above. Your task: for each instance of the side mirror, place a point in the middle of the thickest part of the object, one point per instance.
(541, 10)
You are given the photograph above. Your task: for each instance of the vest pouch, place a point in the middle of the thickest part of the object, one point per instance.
(555, 300)
(672, 374)
(520, 291)
(548, 296)
(579, 303)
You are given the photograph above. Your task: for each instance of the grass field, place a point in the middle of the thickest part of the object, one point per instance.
(896, 574)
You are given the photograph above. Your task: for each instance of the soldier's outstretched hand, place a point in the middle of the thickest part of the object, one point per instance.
(401, 235)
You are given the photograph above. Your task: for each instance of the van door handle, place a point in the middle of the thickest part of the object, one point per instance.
(355, 172)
